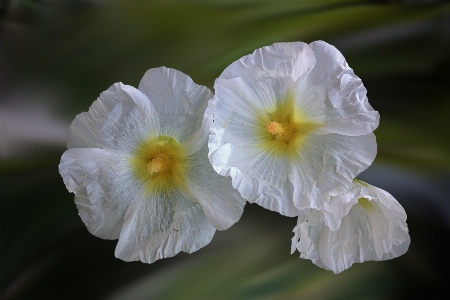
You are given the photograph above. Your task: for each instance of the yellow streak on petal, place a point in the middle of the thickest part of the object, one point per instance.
(360, 182)
(365, 203)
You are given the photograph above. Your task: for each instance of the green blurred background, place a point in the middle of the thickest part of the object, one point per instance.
(57, 56)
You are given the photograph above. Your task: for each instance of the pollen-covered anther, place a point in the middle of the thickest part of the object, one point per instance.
(278, 129)
(157, 165)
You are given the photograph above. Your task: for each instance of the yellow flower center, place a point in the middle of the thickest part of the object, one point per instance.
(160, 164)
(285, 128)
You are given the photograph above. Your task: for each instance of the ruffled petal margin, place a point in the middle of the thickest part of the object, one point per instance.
(346, 108)
(222, 204)
(374, 229)
(278, 60)
(119, 119)
(326, 166)
(162, 225)
(271, 190)
(180, 104)
(103, 187)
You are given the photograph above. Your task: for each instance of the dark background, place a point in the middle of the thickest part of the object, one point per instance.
(58, 56)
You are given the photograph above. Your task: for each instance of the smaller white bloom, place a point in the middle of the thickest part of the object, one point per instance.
(138, 165)
(373, 227)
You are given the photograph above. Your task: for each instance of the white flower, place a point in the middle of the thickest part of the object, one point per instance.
(138, 166)
(372, 228)
(292, 126)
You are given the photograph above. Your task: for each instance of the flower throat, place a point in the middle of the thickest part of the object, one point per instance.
(286, 128)
(160, 164)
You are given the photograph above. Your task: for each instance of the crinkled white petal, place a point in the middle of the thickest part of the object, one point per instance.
(332, 212)
(268, 168)
(238, 102)
(278, 60)
(345, 107)
(103, 187)
(222, 204)
(276, 197)
(162, 225)
(339, 205)
(327, 164)
(375, 229)
(119, 119)
(180, 104)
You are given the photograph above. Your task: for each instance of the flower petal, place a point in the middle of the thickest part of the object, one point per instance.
(270, 189)
(274, 198)
(222, 204)
(346, 108)
(180, 104)
(120, 118)
(237, 102)
(326, 166)
(333, 211)
(374, 229)
(103, 187)
(162, 225)
(278, 60)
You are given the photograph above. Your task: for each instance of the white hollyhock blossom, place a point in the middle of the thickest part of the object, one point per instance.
(138, 166)
(373, 227)
(291, 125)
